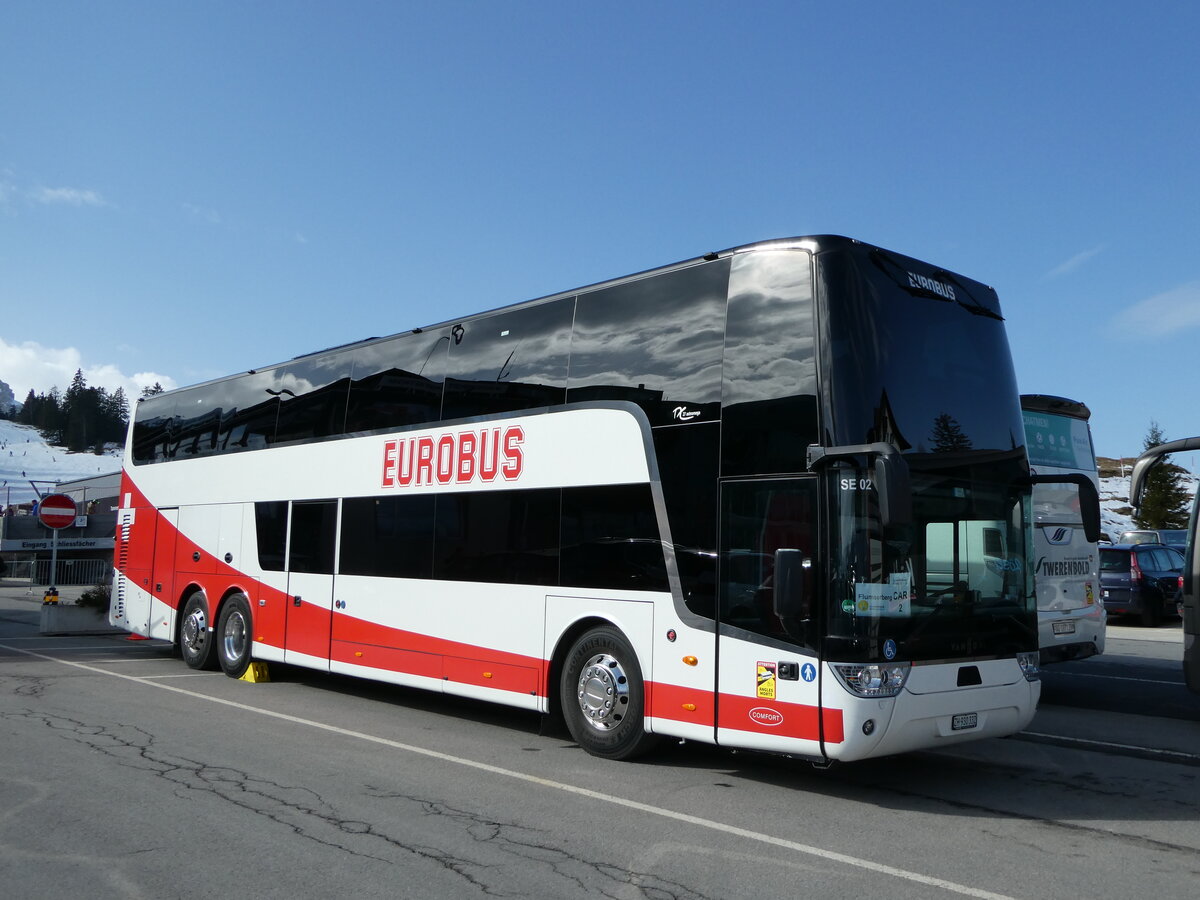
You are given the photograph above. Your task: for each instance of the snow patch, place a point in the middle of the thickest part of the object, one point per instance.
(25, 456)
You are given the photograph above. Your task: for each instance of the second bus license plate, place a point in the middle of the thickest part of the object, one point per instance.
(1063, 627)
(964, 721)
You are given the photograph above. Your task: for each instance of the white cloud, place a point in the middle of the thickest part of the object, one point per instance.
(31, 366)
(1163, 314)
(211, 216)
(66, 197)
(1075, 262)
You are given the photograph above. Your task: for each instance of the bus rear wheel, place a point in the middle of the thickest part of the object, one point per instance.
(195, 633)
(603, 696)
(234, 636)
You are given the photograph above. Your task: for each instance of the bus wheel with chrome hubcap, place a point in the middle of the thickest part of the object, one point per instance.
(195, 636)
(603, 696)
(234, 636)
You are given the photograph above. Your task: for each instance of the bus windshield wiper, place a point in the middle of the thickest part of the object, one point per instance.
(975, 308)
(898, 274)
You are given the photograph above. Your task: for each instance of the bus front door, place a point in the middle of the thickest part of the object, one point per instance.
(312, 545)
(768, 693)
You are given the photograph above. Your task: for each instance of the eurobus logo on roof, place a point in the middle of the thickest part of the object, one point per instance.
(938, 287)
(457, 457)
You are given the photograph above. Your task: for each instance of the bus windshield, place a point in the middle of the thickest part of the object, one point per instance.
(921, 361)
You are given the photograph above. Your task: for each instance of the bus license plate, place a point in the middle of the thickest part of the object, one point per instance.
(1063, 627)
(964, 721)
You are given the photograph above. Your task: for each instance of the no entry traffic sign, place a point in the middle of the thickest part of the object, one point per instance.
(56, 511)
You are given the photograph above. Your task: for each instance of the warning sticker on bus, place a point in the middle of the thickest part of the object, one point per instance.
(766, 680)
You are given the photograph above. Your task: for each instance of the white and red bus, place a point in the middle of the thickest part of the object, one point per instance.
(693, 502)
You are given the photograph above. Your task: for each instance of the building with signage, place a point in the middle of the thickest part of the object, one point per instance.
(85, 548)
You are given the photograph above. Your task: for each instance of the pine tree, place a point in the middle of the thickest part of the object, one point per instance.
(948, 435)
(79, 413)
(28, 408)
(1165, 501)
(49, 419)
(116, 417)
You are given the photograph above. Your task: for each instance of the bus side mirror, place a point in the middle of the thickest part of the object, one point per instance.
(791, 599)
(1089, 500)
(894, 489)
(891, 476)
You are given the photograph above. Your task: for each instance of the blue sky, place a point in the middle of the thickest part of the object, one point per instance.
(190, 190)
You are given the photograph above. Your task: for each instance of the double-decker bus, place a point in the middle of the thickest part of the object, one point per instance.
(1071, 617)
(694, 502)
(1191, 567)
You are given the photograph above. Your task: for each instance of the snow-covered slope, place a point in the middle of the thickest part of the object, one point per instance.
(25, 456)
(1115, 512)
(1116, 515)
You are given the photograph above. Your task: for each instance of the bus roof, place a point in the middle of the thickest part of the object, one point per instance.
(812, 243)
(1048, 403)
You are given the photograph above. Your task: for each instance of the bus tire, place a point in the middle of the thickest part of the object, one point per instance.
(603, 696)
(195, 633)
(234, 636)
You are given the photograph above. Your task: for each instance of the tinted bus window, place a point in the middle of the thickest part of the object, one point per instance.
(312, 397)
(769, 390)
(314, 526)
(197, 421)
(248, 412)
(687, 464)
(270, 521)
(510, 361)
(152, 426)
(398, 382)
(508, 537)
(610, 539)
(655, 341)
(387, 536)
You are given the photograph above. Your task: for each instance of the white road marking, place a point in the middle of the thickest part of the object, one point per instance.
(1086, 742)
(710, 824)
(1121, 678)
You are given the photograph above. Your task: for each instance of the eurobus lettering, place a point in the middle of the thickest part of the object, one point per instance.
(620, 505)
(460, 457)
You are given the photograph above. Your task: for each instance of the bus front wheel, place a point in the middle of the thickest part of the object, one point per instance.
(603, 696)
(195, 633)
(234, 636)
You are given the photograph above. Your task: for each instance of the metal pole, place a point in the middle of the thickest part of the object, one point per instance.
(53, 562)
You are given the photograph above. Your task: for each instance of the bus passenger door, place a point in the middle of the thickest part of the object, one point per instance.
(312, 546)
(768, 694)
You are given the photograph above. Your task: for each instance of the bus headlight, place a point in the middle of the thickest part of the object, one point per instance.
(1030, 664)
(872, 680)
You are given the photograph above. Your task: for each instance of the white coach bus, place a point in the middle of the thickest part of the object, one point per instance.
(693, 502)
(1071, 617)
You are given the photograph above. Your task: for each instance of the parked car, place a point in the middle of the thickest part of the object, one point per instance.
(1172, 537)
(1141, 579)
